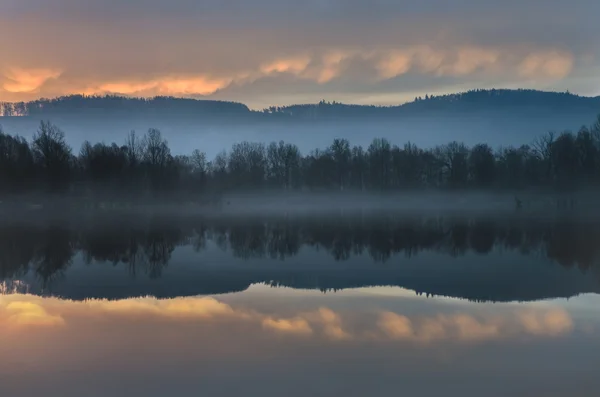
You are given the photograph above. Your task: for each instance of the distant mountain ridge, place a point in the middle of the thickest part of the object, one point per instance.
(475, 101)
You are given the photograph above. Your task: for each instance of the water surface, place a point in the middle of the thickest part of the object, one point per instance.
(349, 305)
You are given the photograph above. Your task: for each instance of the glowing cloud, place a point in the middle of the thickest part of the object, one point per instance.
(28, 80)
(395, 63)
(470, 60)
(549, 64)
(163, 86)
(294, 65)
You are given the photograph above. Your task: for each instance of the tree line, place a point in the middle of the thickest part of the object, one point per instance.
(144, 165)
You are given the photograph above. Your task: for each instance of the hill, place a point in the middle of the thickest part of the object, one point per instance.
(118, 106)
(475, 101)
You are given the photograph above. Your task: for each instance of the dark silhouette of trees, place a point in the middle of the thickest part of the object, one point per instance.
(143, 166)
(283, 165)
(454, 158)
(379, 156)
(341, 154)
(16, 164)
(247, 165)
(53, 156)
(482, 165)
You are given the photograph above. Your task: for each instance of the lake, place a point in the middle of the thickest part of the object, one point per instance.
(340, 304)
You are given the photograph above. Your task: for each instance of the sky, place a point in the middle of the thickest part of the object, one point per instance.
(277, 52)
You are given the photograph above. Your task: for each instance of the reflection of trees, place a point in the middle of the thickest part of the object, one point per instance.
(145, 246)
(158, 245)
(17, 249)
(573, 245)
(248, 240)
(54, 253)
(283, 241)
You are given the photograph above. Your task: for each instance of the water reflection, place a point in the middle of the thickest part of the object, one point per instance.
(264, 340)
(479, 259)
(187, 306)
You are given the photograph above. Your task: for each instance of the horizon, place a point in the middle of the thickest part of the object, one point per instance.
(325, 100)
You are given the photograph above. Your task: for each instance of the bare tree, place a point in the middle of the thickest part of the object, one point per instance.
(52, 154)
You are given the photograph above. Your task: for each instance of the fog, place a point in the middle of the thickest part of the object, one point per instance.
(212, 137)
(534, 203)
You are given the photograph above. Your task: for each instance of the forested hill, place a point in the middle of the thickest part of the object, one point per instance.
(515, 102)
(118, 106)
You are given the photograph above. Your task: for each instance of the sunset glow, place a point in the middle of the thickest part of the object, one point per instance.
(211, 52)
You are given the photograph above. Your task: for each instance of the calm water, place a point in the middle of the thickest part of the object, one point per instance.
(114, 305)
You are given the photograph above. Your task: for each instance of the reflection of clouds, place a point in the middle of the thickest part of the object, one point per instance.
(177, 307)
(332, 323)
(464, 327)
(294, 326)
(551, 322)
(33, 311)
(21, 313)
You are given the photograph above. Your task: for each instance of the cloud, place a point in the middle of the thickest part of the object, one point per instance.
(18, 80)
(353, 71)
(293, 65)
(168, 86)
(548, 64)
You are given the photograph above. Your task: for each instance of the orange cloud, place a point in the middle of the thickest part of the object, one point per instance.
(469, 60)
(547, 64)
(294, 65)
(163, 86)
(395, 63)
(27, 80)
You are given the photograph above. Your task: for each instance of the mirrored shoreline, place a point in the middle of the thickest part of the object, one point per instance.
(474, 258)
